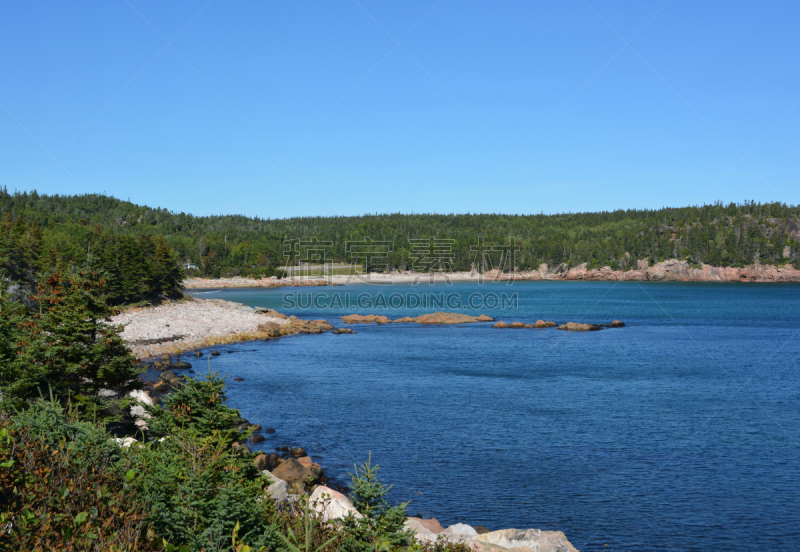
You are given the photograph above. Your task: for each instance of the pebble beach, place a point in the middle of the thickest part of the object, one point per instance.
(189, 324)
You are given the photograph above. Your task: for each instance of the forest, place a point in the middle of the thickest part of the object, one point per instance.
(70, 227)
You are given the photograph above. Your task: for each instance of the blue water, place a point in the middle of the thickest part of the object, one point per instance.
(678, 432)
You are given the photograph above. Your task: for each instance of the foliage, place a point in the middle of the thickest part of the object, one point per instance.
(199, 488)
(721, 235)
(306, 539)
(69, 345)
(381, 526)
(62, 486)
(139, 266)
(196, 407)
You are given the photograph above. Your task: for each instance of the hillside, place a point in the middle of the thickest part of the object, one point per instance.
(718, 235)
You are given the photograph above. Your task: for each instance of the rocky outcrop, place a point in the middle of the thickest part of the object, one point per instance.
(298, 476)
(339, 331)
(673, 270)
(505, 540)
(445, 318)
(331, 505)
(278, 489)
(538, 324)
(578, 327)
(365, 319)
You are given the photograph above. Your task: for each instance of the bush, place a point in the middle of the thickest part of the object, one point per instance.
(63, 486)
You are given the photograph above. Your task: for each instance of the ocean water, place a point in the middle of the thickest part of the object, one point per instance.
(680, 431)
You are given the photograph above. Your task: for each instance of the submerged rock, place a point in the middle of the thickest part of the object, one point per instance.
(365, 319)
(578, 327)
(181, 365)
(445, 318)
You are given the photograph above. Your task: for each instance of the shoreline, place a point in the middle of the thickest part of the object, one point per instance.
(672, 270)
(155, 332)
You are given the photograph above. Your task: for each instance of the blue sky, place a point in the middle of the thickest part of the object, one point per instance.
(276, 109)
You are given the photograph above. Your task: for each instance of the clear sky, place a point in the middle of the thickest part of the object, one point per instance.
(275, 109)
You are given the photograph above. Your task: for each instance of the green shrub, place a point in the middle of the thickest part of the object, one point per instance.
(63, 486)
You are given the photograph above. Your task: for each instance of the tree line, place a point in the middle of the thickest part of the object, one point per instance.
(719, 235)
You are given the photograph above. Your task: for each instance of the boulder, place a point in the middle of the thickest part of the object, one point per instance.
(460, 530)
(106, 393)
(617, 324)
(534, 539)
(544, 324)
(331, 504)
(278, 489)
(181, 365)
(261, 462)
(142, 396)
(298, 452)
(255, 427)
(198, 354)
(170, 376)
(256, 438)
(578, 327)
(269, 430)
(306, 462)
(214, 353)
(339, 331)
(292, 471)
(166, 358)
(162, 386)
(241, 447)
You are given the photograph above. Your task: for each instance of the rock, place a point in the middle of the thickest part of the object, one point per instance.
(126, 442)
(278, 489)
(241, 447)
(107, 393)
(544, 324)
(162, 386)
(306, 462)
(431, 525)
(332, 505)
(142, 396)
(238, 379)
(293, 472)
(166, 358)
(460, 531)
(445, 318)
(577, 327)
(255, 427)
(617, 324)
(365, 319)
(261, 462)
(269, 430)
(214, 353)
(170, 376)
(198, 354)
(181, 365)
(256, 438)
(533, 539)
(298, 452)
(480, 529)
(273, 461)
(339, 331)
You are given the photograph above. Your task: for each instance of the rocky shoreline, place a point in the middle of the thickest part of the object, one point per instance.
(170, 330)
(671, 270)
